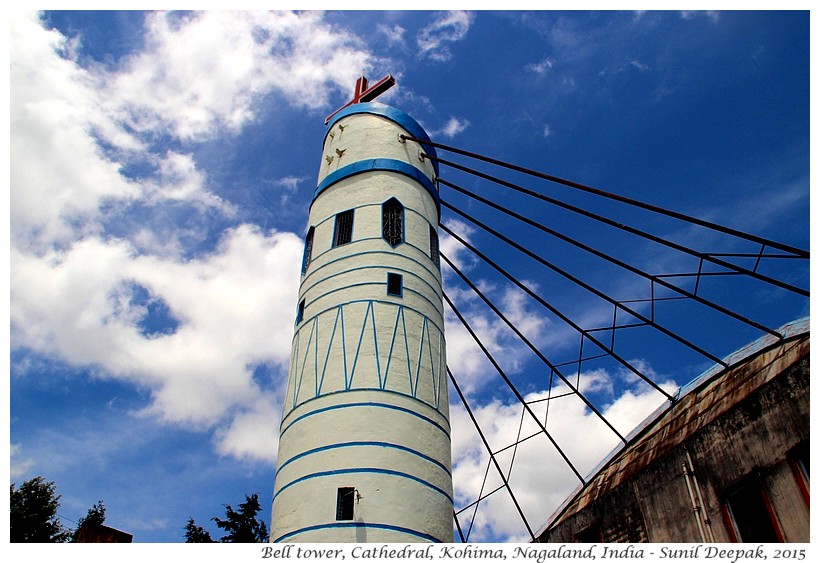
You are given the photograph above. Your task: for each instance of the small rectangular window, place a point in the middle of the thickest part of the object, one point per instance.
(750, 513)
(343, 232)
(394, 284)
(300, 312)
(434, 245)
(344, 503)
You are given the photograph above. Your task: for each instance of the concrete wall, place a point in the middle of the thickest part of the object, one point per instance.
(753, 438)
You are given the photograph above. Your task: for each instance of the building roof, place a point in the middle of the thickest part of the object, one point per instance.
(696, 404)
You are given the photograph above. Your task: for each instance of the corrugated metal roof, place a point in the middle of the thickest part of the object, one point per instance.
(696, 404)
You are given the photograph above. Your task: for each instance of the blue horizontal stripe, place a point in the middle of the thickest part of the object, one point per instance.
(366, 404)
(436, 275)
(365, 444)
(379, 164)
(390, 527)
(376, 470)
(395, 115)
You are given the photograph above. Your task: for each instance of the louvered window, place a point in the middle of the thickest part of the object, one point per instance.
(392, 218)
(434, 245)
(343, 232)
(308, 250)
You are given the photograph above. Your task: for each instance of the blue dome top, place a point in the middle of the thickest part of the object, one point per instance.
(396, 116)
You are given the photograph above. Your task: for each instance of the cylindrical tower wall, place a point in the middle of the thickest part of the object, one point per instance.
(364, 452)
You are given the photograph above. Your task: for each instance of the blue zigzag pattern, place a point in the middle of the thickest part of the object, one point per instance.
(341, 349)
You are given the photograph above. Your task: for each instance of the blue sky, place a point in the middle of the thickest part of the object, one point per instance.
(161, 170)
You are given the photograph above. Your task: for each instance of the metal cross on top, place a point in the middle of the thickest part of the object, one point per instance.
(365, 94)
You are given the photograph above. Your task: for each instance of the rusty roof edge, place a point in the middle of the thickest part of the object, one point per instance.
(790, 330)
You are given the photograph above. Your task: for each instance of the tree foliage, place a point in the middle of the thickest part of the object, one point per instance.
(196, 534)
(95, 517)
(34, 513)
(242, 526)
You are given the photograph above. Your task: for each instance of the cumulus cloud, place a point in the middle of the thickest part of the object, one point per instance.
(295, 54)
(453, 127)
(132, 302)
(230, 307)
(432, 41)
(539, 477)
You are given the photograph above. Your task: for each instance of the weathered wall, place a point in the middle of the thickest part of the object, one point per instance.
(763, 416)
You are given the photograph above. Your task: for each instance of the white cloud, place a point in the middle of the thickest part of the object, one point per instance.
(540, 479)
(55, 192)
(231, 306)
(394, 35)
(453, 249)
(446, 28)
(253, 433)
(204, 71)
(75, 129)
(19, 468)
(453, 127)
(711, 15)
(543, 67)
(179, 180)
(289, 184)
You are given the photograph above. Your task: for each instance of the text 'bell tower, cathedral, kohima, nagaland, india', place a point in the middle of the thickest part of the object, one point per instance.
(364, 449)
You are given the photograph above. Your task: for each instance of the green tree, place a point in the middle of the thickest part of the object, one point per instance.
(196, 534)
(95, 517)
(34, 513)
(242, 525)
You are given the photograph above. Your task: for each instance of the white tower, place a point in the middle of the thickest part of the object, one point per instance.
(364, 453)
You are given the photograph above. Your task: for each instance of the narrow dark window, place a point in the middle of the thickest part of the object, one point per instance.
(750, 513)
(344, 503)
(394, 284)
(799, 460)
(591, 534)
(800, 455)
(308, 249)
(392, 218)
(434, 245)
(300, 312)
(343, 232)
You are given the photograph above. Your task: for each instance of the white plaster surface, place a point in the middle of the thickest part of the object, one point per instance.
(366, 403)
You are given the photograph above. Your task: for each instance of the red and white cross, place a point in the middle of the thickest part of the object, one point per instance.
(365, 94)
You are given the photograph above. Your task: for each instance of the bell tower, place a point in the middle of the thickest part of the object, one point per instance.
(364, 450)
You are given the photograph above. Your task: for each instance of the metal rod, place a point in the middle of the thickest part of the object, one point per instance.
(612, 223)
(555, 311)
(488, 495)
(597, 253)
(529, 344)
(512, 387)
(616, 197)
(624, 265)
(609, 299)
(489, 450)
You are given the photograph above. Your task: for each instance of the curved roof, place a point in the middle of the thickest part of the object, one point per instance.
(695, 405)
